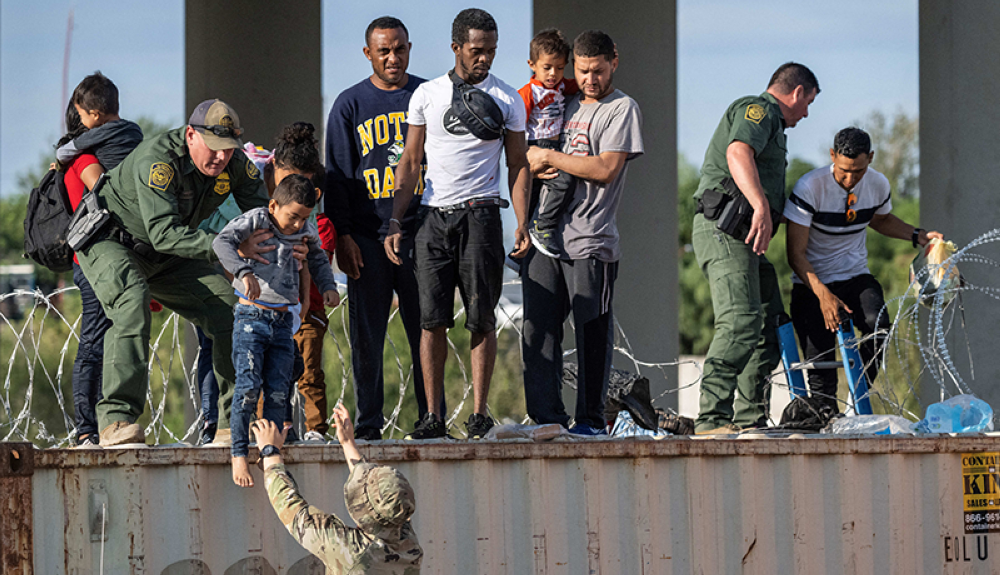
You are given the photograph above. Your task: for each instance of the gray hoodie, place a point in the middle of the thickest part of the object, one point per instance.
(279, 280)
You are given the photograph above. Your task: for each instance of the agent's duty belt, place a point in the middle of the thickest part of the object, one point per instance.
(473, 203)
(145, 250)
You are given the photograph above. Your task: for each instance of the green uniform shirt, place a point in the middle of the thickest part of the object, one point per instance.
(159, 196)
(757, 122)
(341, 548)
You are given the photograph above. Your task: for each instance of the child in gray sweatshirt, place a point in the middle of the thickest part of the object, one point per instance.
(263, 350)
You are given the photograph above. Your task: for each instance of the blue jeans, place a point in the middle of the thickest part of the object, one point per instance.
(89, 364)
(207, 384)
(263, 357)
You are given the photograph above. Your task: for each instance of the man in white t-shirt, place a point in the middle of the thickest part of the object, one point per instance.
(828, 213)
(459, 239)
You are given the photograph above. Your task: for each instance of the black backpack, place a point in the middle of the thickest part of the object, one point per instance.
(45, 225)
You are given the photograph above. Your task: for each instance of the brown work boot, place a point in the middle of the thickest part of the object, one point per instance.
(725, 429)
(222, 437)
(121, 432)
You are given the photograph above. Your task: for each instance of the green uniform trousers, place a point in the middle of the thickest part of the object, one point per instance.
(124, 283)
(744, 351)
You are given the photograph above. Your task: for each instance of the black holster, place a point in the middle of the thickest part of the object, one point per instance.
(731, 211)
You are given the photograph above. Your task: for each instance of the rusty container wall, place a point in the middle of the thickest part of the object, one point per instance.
(16, 538)
(811, 505)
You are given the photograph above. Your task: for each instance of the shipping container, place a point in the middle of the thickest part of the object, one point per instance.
(798, 504)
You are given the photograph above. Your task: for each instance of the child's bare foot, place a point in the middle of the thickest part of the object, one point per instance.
(241, 472)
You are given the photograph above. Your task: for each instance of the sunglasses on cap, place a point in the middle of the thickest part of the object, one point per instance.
(851, 215)
(221, 131)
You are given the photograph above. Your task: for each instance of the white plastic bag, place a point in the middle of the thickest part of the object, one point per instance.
(870, 424)
(931, 271)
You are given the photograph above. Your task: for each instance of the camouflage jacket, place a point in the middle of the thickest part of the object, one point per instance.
(342, 549)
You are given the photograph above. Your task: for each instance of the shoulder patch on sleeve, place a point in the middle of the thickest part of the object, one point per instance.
(755, 113)
(252, 170)
(160, 175)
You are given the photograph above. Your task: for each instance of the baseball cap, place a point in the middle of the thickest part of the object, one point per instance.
(378, 497)
(218, 124)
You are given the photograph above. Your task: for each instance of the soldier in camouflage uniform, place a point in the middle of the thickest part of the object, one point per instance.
(379, 499)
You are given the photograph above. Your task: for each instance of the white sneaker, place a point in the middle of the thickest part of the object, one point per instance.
(313, 437)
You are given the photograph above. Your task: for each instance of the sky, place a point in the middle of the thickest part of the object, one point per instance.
(864, 54)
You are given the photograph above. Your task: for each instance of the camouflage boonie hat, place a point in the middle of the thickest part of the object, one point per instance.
(378, 496)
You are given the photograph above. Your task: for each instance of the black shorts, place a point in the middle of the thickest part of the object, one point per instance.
(462, 248)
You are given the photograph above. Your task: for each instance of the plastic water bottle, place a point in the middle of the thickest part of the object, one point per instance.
(959, 414)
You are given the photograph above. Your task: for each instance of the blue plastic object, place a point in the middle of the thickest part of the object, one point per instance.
(851, 358)
(790, 356)
(959, 414)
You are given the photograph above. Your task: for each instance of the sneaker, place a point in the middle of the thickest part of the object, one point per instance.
(292, 437)
(584, 429)
(544, 240)
(122, 432)
(207, 434)
(725, 429)
(478, 425)
(313, 437)
(88, 442)
(222, 437)
(430, 426)
(369, 434)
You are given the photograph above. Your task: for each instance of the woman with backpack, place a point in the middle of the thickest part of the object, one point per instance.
(81, 173)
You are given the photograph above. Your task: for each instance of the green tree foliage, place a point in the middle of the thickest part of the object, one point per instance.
(896, 144)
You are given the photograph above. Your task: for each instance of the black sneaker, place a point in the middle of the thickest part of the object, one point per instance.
(430, 426)
(207, 434)
(544, 240)
(292, 437)
(478, 425)
(369, 434)
(90, 441)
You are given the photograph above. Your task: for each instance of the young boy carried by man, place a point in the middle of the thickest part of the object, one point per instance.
(545, 101)
(263, 349)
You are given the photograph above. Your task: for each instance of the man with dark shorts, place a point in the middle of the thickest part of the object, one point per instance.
(460, 236)
(601, 134)
(364, 142)
(745, 160)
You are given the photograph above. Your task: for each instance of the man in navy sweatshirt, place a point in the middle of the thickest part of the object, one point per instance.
(364, 141)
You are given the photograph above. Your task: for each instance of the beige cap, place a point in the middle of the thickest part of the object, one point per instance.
(218, 124)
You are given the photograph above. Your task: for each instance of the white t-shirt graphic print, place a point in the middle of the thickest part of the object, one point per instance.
(460, 166)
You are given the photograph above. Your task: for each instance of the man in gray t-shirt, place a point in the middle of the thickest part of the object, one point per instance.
(601, 133)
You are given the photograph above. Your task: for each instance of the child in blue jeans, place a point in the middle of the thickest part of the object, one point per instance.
(263, 350)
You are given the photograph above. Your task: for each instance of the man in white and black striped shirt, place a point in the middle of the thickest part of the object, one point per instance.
(828, 213)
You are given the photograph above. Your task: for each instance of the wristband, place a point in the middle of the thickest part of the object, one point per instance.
(916, 237)
(398, 223)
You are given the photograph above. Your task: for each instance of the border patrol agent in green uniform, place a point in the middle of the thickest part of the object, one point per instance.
(746, 156)
(154, 249)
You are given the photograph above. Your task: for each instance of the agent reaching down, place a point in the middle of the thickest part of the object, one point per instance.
(157, 198)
